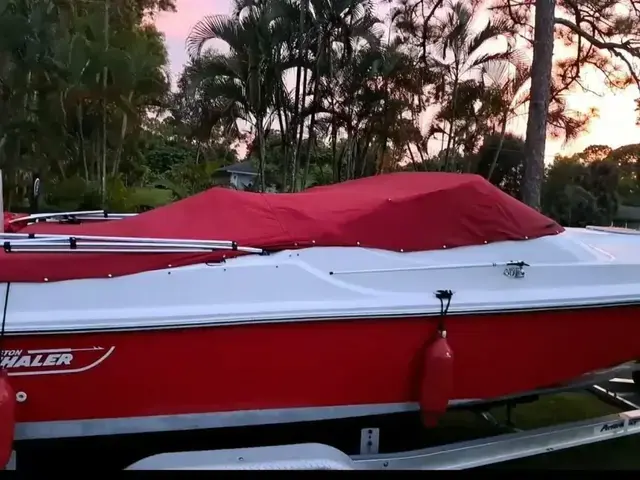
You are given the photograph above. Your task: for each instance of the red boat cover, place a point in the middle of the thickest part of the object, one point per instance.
(400, 211)
(12, 227)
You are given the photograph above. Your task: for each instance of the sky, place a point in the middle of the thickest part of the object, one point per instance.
(615, 125)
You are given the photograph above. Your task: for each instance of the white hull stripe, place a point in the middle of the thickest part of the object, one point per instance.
(318, 318)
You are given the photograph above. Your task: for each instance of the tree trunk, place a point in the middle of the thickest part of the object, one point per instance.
(83, 150)
(334, 150)
(198, 151)
(123, 134)
(297, 122)
(104, 107)
(295, 184)
(312, 123)
(454, 99)
(496, 155)
(413, 158)
(283, 136)
(539, 104)
(349, 154)
(261, 152)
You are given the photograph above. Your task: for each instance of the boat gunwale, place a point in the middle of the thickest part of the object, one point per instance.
(319, 318)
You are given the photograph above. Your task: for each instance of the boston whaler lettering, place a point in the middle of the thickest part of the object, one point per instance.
(15, 359)
(388, 294)
(55, 360)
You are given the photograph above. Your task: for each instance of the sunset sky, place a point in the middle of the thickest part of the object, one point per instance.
(614, 127)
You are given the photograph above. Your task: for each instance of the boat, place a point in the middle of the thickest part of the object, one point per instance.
(395, 293)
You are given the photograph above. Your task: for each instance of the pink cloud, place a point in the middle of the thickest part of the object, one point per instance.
(177, 25)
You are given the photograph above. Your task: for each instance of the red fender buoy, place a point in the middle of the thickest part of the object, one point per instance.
(436, 382)
(7, 418)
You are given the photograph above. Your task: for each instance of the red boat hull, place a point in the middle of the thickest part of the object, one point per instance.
(306, 364)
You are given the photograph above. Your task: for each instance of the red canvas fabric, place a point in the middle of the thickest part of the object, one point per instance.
(12, 227)
(400, 212)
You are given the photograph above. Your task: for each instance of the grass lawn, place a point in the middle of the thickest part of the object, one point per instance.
(622, 453)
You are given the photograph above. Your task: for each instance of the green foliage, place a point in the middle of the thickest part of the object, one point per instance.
(627, 159)
(161, 154)
(143, 198)
(579, 193)
(583, 189)
(64, 94)
(509, 166)
(185, 179)
(52, 64)
(75, 193)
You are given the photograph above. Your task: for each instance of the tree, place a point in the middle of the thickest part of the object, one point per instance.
(582, 190)
(458, 87)
(314, 89)
(501, 160)
(539, 104)
(52, 64)
(506, 95)
(240, 85)
(603, 35)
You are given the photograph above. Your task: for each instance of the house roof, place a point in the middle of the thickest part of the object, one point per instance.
(244, 168)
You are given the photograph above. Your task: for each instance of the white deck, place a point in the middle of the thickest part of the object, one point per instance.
(577, 268)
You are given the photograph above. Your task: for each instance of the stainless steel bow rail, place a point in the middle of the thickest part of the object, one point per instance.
(46, 243)
(83, 215)
(457, 456)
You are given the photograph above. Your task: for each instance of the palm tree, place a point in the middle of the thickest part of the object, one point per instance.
(339, 29)
(139, 79)
(240, 85)
(384, 85)
(460, 57)
(506, 83)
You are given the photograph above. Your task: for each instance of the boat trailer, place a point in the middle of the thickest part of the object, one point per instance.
(455, 456)
(509, 443)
